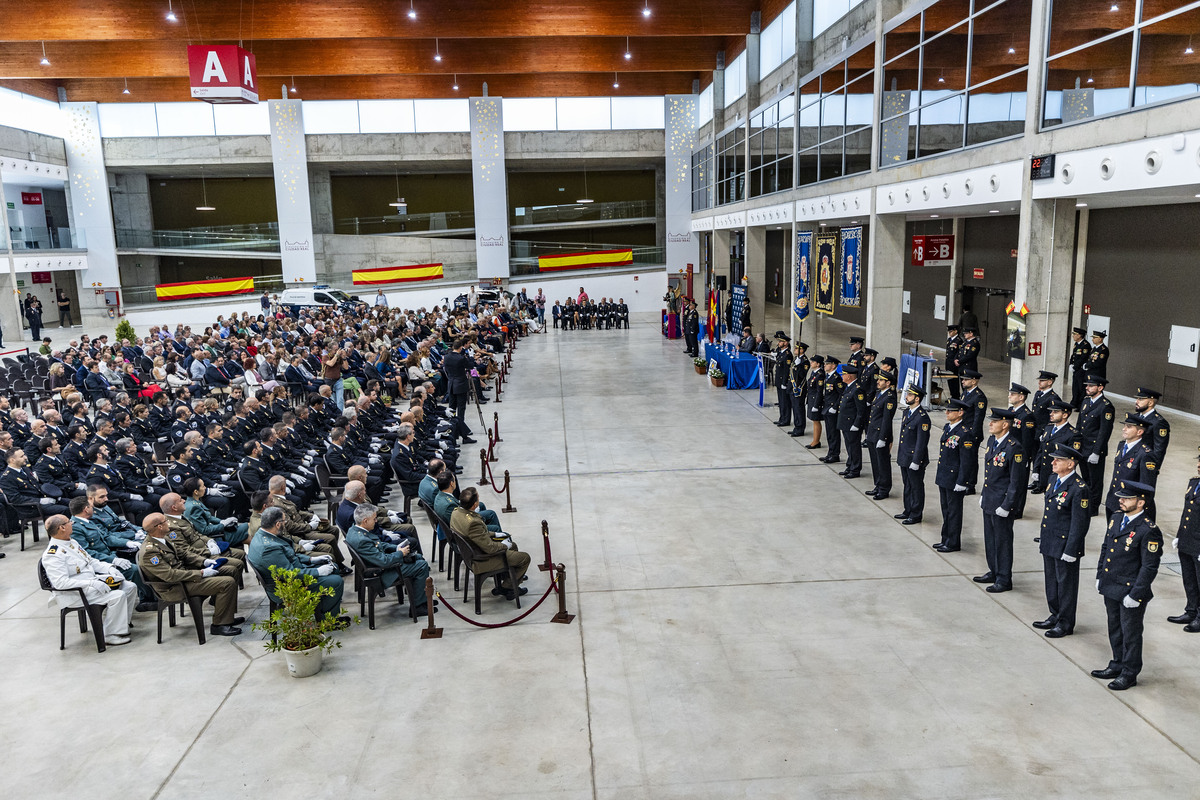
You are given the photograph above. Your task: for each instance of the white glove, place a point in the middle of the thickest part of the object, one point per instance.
(853, 428)
(311, 452)
(1035, 478)
(290, 485)
(1070, 559)
(392, 537)
(958, 487)
(325, 569)
(83, 486)
(158, 480)
(307, 461)
(372, 459)
(45, 501)
(104, 587)
(1129, 602)
(314, 520)
(213, 547)
(914, 466)
(135, 497)
(212, 491)
(121, 563)
(1175, 543)
(312, 524)
(140, 535)
(1093, 459)
(227, 475)
(133, 544)
(1097, 584)
(209, 562)
(209, 572)
(981, 501)
(229, 520)
(375, 447)
(147, 448)
(1000, 512)
(881, 443)
(308, 546)
(321, 559)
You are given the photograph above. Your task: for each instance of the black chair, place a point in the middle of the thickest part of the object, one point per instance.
(370, 580)
(86, 611)
(265, 581)
(195, 602)
(440, 539)
(30, 513)
(472, 555)
(329, 489)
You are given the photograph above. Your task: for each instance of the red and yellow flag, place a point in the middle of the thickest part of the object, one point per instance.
(407, 274)
(595, 258)
(213, 288)
(1008, 309)
(711, 328)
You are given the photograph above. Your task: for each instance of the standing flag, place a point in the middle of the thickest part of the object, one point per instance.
(714, 302)
(1008, 309)
(826, 272)
(803, 257)
(851, 270)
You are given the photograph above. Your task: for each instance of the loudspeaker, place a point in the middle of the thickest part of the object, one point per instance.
(719, 282)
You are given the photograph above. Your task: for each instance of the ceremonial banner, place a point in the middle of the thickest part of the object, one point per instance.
(826, 272)
(714, 313)
(413, 272)
(803, 258)
(851, 267)
(213, 288)
(738, 294)
(594, 258)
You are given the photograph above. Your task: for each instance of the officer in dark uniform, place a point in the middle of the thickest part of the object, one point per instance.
(879, 434)
(851, 419)
(1025, 429)
(1081, 352)
(973, 421)
(1126, 569)
(867, 370)
(830, 403)
(783, 377)
(1098, 360)
(954, 451)
(1064, 526)
(181, 469)
(691, 329)
(814, 396)
(1187, 542)
(53, 470)
(1132, 461)
(21, 487)
(856, 351)
(797, 379)
(1059, 431)
(1095, 429)
(1003, 477)
(1042, 399)
(954, 341)
(1158, 435)
(912, 455)
(968, 351)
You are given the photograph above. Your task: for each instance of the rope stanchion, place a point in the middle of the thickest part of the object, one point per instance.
(431, 632)
(505, 624)
(548, 564)
(508, 506)
(562, 616)
(492, 448)
(483, 467)
(496, 426)
(499, 386)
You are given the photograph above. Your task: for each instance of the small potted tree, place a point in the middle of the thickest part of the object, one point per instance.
(701, 365)
(716, 376)
(294, 628)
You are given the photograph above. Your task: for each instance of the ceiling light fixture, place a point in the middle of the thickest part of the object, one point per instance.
(45, 61)
(1114, 7)
(1081, 205)
(1012, 51)
(455, 86)
(171, 12)
(1187, 51)
(994, 211)
(204, 192)
(585, 198)
(628, 54)
(616, 83)
(646, 9)
(126, 90)
(1090, 79)
(293, 89)
(412, 12)
(437, 51)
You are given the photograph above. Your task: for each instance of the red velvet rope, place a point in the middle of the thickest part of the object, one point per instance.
(552, 587)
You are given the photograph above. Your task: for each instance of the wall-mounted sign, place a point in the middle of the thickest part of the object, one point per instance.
(1041, 167)
(222, 73)
(977, 273)
(1035, 348)
(933, 251)
(31, 198)
(40, 277)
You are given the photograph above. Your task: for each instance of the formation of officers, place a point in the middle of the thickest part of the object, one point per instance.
(1028, 445)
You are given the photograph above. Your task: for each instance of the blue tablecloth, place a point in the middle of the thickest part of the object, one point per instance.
(921, 368)
(742, 370)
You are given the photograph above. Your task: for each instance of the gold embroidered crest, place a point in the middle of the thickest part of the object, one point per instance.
(1152, 547)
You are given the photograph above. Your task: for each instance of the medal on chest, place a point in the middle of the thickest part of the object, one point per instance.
(1128, 542)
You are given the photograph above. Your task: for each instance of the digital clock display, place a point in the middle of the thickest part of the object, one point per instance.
(1041, 167)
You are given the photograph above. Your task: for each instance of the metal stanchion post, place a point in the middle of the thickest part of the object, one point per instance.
(491, 448)
(482, 467)
(431, 632)
(508, 506)
(548, 564)
(496, 426)
(562, 615)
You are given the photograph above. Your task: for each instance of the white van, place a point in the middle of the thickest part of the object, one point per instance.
(293, 300)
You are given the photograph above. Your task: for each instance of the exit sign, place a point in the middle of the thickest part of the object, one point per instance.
(977, 273)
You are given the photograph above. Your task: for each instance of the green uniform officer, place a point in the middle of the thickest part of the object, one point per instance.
(268, 549)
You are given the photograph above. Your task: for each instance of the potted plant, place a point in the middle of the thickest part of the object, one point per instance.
(716, 376)
(701, 365)
(293, 626)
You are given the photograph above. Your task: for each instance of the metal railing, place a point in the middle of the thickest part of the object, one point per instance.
(583, 212)
(28, 238)
(406, 223)
(264, 237)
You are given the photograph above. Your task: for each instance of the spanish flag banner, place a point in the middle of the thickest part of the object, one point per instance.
(213, 288)
(595, 258)
(407, 274)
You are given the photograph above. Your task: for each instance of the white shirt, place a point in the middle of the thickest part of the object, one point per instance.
(69, 566)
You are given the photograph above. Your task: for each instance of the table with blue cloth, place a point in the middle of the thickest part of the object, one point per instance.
(921, 368)
(742, 370)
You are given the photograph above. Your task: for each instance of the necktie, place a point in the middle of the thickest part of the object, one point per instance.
(1124, 522)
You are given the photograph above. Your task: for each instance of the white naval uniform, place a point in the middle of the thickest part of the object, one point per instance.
(69, 566)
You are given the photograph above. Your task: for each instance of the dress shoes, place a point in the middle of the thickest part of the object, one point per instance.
(911, 521)
(146, 607)
(238, 620)
(423, 610)
(1106, 673)
(1057, 633)
(795, 433)
(869, 493)
(468, 440)
(781, 424)
(224, 630)
(883, 496)
(1122, 683)
(942, 548)
(1181, 619)
(996, 588)
(850, 475)
(509, 595)
(115, 641)
(987, 577)
(1192, 627)
(813, 447)
(901, 515)
(1045, 624)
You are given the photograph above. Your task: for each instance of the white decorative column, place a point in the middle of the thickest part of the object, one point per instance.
(681, 248)
(490, 182)
(289, 157)
(91, 210)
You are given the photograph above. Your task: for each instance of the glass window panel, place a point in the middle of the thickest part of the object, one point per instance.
(1102, 75)
(898, 140)
(997, 110)
(706, 105)
(788, 32)
(770, 45)
(902, 38)
(735, 80)
(945, 65)
(787, 138)
(1155, 8)
(903, 73)
(584, 114)
(833, 116)
(994, 34)
(770, 143)
(806, 167)
(830, 158)
(191, 119)
(833, 78)
(119, 119)
(524, 114)
(442, 116)
(858, 151)
(787, 109)
(638, 113)
(859, 101)
(1165, 69)
(944, 15)
(29, 113)
(942, 126)
(330, 116)
(783, 173)
(1073, 23)
(827, 12)
(860, 62)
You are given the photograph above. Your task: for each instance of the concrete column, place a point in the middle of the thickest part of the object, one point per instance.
(756, 274)
(804, 41)
(1047, 234)
(718, 85)
(10, 303)
(289, 157)
(131, 202)
(753, 63)
(321, 190)
(490, 183)
(1037, 67)
(885, 290)
(720, 264)
(954, 299)
(789, 301)
(1080, 268)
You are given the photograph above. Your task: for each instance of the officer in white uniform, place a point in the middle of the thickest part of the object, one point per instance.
(68, 566)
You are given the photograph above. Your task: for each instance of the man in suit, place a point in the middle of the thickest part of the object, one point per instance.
(912, 455)
(1064, 525)
(1003, 478)
(1126, 568)
(469, 525)
(879, 435)
(954, 450)
(1158, 435)
(457, 368)
(1187, 542)
(851, 419)
(1081, 352)
(95, 384)
(973, 421)
(1132, 461)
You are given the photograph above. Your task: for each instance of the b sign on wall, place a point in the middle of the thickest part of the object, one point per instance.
(222, 73)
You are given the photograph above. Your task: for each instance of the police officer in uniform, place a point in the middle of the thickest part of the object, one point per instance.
(1098, 360)
(1132, 461)
(879, 435)
(1158, 435)
(691, 329)
(1064, 526)
(912, 455)
(814, 396)
(856, 351)
(797, 377)
(1003, 477)
(968, 351)
(851, 419)
(830, 403)
(867, 370)
(1042, 400)
(1025, 429)
(166, 564)
(1095, 429)
(1081, 353)
(1126, 569)
(954, 451)
(783, 377)
(954, 341)
(1059, 431)
(1187, 542)
(973, 421)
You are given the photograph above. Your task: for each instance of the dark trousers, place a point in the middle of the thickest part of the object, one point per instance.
(784, 396)
(913, 481)
(955, 388)
(1189, 568)
(853, 441)
(833, 437)
(1062, 590)
(1019, 504)
(970, 472)
(1093, 476)
(1125, 626)
(998, 546)
(458, 402)
(798, 417)
(881, 469)
(952, 510)
(1077, 378)
(693, 346)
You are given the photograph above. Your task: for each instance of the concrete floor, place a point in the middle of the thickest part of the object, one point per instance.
(749, 625)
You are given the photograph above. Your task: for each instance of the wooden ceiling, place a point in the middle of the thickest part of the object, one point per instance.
(372, 49)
